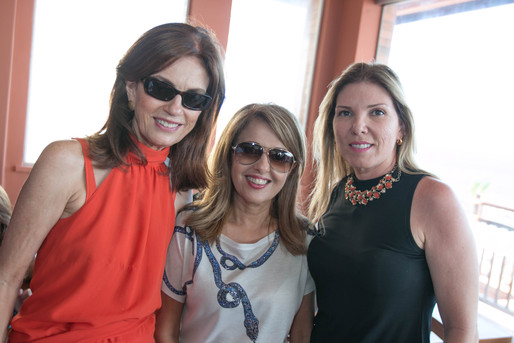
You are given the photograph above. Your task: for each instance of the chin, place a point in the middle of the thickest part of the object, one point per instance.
(165, 143)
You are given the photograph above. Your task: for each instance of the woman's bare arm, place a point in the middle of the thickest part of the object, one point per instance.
(167, 326)
(302, 323)
(55, 188)
(441, 228)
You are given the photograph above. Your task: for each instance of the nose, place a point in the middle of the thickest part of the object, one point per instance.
(262, 164)
(359, 124)
(175, 104)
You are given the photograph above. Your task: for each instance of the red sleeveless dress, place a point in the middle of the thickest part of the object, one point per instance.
(98, 273)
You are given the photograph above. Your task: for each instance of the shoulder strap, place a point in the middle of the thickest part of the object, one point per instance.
(88, 166)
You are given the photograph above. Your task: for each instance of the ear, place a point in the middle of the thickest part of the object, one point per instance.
(401, 132)
(131, 87)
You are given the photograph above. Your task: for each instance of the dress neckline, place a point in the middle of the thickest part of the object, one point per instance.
(264, 240)
(152, 156)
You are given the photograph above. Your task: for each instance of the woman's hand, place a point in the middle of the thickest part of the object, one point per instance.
(22, 296)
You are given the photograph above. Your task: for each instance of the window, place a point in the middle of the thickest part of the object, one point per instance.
(270, 54)
(454, 59)
(74, 56)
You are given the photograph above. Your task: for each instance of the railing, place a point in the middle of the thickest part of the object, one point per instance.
(496, 267)
(496, 280)
(495, 214)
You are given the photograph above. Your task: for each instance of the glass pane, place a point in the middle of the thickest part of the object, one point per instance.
(455, 63)
(270, 54)
(76, 47)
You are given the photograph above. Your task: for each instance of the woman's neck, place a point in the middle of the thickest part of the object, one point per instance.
(248, 227)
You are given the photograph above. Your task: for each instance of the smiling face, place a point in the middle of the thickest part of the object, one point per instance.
(160, 124)
(366, 128)
(257, 184)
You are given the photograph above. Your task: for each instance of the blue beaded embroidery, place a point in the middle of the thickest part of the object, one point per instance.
(235, 290)
(237, 293)
(238, 264)
(188, 231)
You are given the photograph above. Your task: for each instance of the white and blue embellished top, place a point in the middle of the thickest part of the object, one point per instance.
(234, 292)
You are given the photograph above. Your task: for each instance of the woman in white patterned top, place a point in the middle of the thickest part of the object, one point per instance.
(236, 269)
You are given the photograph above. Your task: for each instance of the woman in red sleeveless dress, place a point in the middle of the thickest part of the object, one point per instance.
(99, 211)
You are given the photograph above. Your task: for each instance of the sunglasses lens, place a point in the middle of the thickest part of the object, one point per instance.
(195, 101)
(158, 89)
(281, 160)
(162, 91)
(248, 153)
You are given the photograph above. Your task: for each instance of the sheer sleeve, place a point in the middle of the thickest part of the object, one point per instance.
(178, 273)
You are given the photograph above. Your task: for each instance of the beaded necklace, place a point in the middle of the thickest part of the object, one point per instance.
(356, 196)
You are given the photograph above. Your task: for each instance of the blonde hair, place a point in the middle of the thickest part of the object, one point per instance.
(215, 204)
(5, 211)
(331, 166)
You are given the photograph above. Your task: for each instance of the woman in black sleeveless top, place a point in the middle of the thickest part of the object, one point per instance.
(392, 238)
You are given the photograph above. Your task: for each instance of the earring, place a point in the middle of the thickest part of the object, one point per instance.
(131, 105)
(399, 141)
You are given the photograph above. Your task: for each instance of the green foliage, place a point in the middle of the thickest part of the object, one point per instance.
(480, 187)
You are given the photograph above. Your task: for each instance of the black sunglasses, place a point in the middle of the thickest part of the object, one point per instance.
(248, 153)
(164, 91)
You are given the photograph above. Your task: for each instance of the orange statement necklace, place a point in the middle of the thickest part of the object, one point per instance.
(363, 197)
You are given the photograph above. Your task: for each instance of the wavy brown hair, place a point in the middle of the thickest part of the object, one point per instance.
(215, 205)
(153, 51)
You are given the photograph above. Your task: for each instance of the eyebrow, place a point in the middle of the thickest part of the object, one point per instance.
(379, 104)
(369, 106)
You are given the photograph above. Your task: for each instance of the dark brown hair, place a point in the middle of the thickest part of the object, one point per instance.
(153, 51)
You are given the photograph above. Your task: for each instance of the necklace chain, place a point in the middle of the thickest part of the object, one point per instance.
(356, 196)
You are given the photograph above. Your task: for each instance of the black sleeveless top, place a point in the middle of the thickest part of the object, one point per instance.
(372, 280)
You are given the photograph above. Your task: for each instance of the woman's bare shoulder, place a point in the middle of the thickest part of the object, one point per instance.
(433, 192)
(436, 210)
(64, 152)
(59, 172)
